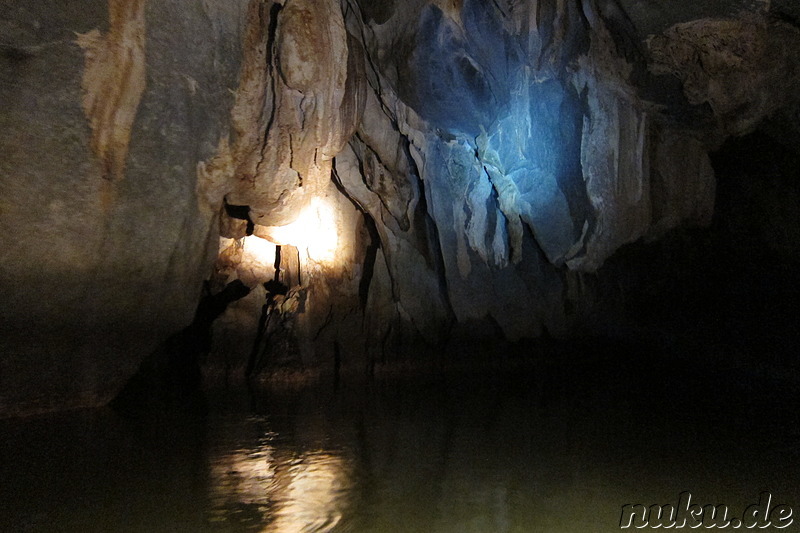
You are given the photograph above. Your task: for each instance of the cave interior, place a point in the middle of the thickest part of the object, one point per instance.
(325, 195)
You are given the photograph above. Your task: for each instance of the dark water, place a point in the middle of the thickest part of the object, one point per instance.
(554, 449)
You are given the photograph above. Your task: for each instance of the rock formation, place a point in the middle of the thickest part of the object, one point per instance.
(414, 172)
(106, 109)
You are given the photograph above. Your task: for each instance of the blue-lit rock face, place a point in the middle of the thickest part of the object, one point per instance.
(479, 76)
(477, 163)
(529, 154)
(503, 152)
(457, 76)
(494, 130)
(532, 155)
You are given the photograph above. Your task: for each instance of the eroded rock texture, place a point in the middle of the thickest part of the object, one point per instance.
(106, 108)
(502, 152)
(413, 172)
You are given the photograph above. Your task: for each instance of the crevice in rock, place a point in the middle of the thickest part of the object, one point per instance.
(337, 182)
(383, 194)
(16, 53)
(622, 31)
(370, 257)
(272, 31)
(569, 171)
(299, 269)
(785, 17)
(170, 378)
(325, 323)
(275, 287)
(375, 239)
(240, 212)
(507, 206)
(376, 76)
(431, 247)
(545, 14)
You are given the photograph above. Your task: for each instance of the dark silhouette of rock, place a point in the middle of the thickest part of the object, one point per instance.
(170, 377)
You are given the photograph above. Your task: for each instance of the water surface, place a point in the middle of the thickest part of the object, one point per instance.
(558, 449)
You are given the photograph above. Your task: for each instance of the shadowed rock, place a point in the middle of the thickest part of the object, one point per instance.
(170, 377)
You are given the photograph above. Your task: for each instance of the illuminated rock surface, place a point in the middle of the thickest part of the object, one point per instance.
(432, 171)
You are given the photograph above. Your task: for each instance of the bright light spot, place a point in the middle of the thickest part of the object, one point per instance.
(258, 252)
(243, 477)
(316, 495)
(314, 230)
(283, 492)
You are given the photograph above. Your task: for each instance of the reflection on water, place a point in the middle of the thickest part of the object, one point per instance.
(267, 490)
(558, 451)
(315, 497)
(242, 485)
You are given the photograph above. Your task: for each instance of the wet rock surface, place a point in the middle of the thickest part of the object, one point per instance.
(415, 173)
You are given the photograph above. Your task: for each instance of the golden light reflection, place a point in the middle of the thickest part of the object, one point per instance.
(280, 493)
(243, 478)
(253, 258)
(258, 251)
(314, 231)
(315, 497)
